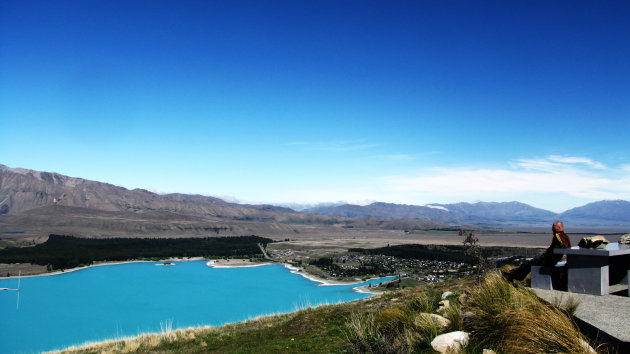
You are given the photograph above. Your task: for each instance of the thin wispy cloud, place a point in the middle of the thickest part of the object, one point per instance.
(578, 160)
(554, 162)
(552, 183)
(575, 177)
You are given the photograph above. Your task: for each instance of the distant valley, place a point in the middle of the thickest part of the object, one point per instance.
(39, 203)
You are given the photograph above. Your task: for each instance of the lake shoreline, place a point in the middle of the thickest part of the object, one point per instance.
(360, 289)
(219, 264)
(174, 275)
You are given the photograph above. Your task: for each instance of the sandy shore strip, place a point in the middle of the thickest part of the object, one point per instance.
(296, 270)
(365, 290)
(244, 263)
(300, 271)
(234, 263)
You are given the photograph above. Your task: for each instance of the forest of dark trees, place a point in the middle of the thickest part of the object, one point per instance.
(452, 253)
(64, 252)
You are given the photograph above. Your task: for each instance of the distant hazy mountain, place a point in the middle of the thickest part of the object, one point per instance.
(507, 211)
(306, 206)
(614, 212)
(604, 213)
(460, 213)
(386, 211)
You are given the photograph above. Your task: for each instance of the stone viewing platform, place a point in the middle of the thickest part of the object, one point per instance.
(605, 319)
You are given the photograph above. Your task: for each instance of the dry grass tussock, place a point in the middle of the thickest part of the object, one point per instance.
(498, 315)
(569, 304)
(145, 342)
(514, 320)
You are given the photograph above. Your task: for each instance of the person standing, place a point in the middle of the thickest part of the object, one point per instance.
(546, 259)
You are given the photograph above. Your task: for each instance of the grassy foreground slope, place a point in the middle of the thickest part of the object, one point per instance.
(317, 330)
(497, 316)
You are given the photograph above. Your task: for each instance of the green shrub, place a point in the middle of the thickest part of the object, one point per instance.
(427, 301)
(454, 314)
(426, 331)
(363, 335)
(394, 320)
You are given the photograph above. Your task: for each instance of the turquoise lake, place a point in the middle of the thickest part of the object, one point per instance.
(116, 301)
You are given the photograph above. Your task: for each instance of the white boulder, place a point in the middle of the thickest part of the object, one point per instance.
(452, 342)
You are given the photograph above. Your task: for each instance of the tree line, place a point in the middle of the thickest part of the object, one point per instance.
(452, 253)
(64, 252)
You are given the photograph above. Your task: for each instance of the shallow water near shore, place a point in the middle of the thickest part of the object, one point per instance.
(124, 300)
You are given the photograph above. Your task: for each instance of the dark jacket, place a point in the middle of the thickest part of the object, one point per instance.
(560, 240)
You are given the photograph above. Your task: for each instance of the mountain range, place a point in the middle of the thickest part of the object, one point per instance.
(54, 202)
(40, 203)
(612, 213)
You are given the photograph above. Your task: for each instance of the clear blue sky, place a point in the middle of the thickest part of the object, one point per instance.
(310, 101)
